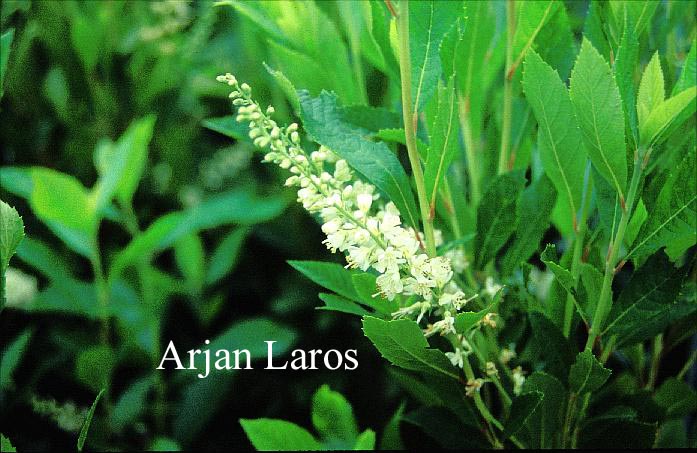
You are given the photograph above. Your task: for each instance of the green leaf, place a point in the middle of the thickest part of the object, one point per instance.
(496, 216)
(429, 21)
(522, 407)
(367, 289)
(333, 302)
(598, 107)
(592, 281)
(325, 121)
(672, 222)
(238, 206)
(563, 275)
(677, 398)
(121, 165)
(88, 421)
(531, 17)
(391, 437)
(688, 74)
(549, 346)
(226, 255)
(533, 210)
(11, 234)
(558, 134)
(365, 441)
(545, 423)
(190, 258)
(635, 223)
(651, 90)
(616, 433)
(667, 116)
(464, 321)
(228, 126)
(649, 302)
(5, 44)
(403, 343)
(332, 417)
(587, 374)
(132, 404)
(61, 199)
(5, 444)
(11, 357)
(85, 34)
(625, 64)
(287, 87)
(272, 434)
(94, 366)
(332, 276)
(444, 141)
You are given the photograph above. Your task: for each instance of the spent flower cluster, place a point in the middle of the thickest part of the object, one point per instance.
(356, 221)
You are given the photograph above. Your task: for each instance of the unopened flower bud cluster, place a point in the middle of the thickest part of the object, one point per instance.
(355, 220)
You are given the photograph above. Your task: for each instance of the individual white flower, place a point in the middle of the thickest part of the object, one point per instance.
(421, 307)
(444, 326)
(458, 259)
(490, 287)
(389, 284)
(473, 386)
(389, 260)
(506, 355)
(457, 300)
(491, 370)
(518, 380)
(457, 358)
(488, 320)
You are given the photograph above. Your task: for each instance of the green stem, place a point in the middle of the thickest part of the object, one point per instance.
(507, 120)
(687, 366)
(575, 271)
(568, 420)
(103, 299)
(470, 149)
(605, 299)
(410, 122)
(656, 353)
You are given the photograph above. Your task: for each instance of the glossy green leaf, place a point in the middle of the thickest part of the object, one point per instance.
(672, 222)
(587, 374)
(651, 90)
(558, 134)
(533, 211)
(522, 407)
(88, 421)
(429, 21)
(688, 74)
(333, 302)
(332, 276)
(666, 116)
(598, 107)
(403, 343)
(226, 255)
(324, 119)
(332, 417)
(271, 434)
(5, 45)
(496, 215)
(649, 303)
(11, 235)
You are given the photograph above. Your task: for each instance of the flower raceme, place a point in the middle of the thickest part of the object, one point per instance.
(357, 221)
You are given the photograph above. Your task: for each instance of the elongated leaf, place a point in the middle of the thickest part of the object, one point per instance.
(533, 210)
(11, 358)
(667, 115)
(325, 121)
(366, 288)
(649, 303)
(522, 408)
(587, 374)
(225, 255)
(550, 346)
(688, 74)
(332, 417)
(429, 21)
(88, 421)
(11, 234)
(672, 222)
(625, 65)
(444, 141)
(121, 165)
(403, 343)
(558, 134)
(5, 43)
(651, 90)
(271, 434)
(496, 216)
(598, 107)
(531, 16)
(333, 302)
(228, 126)
(391, 437)
(546, 421)
(332, 276)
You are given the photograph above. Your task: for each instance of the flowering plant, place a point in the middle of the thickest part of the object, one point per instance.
(447, 291)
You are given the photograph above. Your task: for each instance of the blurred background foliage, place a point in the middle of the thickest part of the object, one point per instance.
(199, 249)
